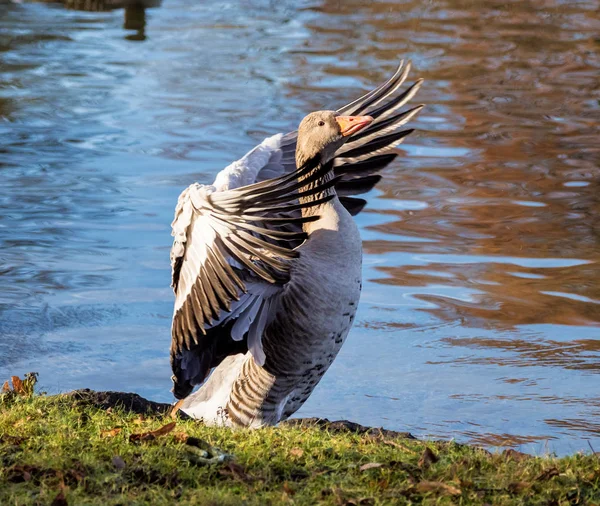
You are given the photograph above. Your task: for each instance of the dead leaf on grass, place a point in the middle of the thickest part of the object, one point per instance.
(22, 387)
(296, 452)
(370, 465)
(110, 432)
(181, 437)
(547, 474)
(153, 434)
(438, 487)
(164, 430)
(428, 458)
(17, 385)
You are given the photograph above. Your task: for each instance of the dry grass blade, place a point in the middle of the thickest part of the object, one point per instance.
(370, 465)
(437, 487)
(400, 446)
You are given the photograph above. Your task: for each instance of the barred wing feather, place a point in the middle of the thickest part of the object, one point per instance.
(230, 256)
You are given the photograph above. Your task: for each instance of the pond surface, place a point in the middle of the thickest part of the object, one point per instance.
(480, 316)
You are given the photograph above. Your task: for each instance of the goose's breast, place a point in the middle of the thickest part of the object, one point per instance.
(319, 303)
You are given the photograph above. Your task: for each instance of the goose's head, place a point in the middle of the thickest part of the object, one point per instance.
(323, 132)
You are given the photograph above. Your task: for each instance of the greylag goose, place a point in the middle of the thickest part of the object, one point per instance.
(266, 261)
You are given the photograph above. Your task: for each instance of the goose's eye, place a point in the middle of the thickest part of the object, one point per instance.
(321, 123)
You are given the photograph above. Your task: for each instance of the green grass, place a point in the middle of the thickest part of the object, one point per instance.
(56, 450)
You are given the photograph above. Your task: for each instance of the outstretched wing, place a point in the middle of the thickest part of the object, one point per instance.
(230, 256)
(366, 153)
(233, 243)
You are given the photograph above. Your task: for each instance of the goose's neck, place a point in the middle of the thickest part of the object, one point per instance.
(328, 176)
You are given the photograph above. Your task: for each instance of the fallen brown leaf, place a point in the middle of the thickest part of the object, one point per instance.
(164, 430)
(20, 387)
(118, 462)
(17, 384)
(428, 458)
(149, 436)
(547, 474)
(181, 437)
(438, 487)
(110, 432)
(370, 465)
(296, 452)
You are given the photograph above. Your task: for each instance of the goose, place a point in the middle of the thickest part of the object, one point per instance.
(266, 261)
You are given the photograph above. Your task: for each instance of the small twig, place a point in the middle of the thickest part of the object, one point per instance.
(591, 447)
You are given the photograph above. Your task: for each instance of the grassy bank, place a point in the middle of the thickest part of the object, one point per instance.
(83, 449)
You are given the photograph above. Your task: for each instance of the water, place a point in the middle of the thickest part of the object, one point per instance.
(480, 314)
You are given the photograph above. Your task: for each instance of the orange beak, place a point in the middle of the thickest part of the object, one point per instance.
(351, 124)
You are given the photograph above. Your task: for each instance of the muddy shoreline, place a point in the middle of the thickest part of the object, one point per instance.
(135, 403)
